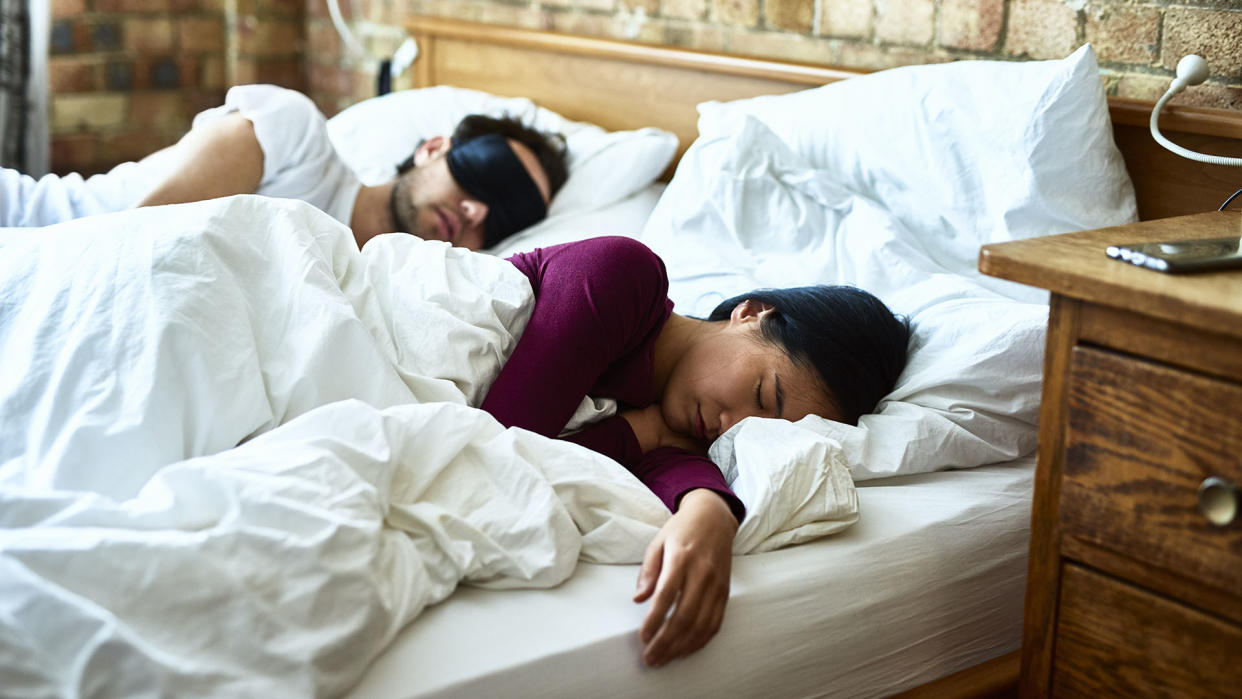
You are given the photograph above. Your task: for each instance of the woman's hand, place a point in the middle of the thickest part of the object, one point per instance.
(689, 562)
(652, 432)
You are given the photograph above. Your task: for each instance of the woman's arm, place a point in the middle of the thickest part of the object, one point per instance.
(653, 433)
(218, 159)
(672, 464)
(687, 564)
(690, 560)
(597, 303)
(599, 300)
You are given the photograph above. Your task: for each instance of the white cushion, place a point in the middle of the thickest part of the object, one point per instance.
(375, 135)
(625, 218)
(963, 153)
(744, 211)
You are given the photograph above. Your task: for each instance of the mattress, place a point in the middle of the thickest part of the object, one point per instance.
(928, 582)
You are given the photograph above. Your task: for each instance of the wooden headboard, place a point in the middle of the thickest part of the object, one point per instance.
(624, 85)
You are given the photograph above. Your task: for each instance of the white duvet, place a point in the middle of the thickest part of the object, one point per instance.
(143, 553)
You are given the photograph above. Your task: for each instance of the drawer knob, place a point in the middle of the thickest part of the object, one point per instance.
(1218, 501)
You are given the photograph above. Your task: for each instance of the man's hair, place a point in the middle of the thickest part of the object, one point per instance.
(849, 338)
(549, 148)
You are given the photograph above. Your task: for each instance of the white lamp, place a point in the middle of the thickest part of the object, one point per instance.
(1191, 70)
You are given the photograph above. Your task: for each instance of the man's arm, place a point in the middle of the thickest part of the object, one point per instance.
(218, 159)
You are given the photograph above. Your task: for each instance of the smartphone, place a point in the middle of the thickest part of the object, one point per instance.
(1182, 255)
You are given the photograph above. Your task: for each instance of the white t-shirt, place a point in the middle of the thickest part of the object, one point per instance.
(298, 163)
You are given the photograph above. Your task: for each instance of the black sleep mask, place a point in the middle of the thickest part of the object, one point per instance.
(489, 170)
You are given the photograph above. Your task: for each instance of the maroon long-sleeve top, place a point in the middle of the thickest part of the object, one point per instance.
(599, 306)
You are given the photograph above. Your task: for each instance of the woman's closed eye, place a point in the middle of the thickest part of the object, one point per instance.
(776, 401)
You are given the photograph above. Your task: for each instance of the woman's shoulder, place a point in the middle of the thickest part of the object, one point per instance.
(604, 249)
(617, 284)
(607, 261)
(619, 254)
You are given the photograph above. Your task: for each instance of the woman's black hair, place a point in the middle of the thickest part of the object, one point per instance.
(852, 340)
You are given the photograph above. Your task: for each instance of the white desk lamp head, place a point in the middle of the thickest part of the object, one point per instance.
(1191, 70)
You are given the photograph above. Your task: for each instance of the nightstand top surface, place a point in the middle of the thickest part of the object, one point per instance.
(1075, 265)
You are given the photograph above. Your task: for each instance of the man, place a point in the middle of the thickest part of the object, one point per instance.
(490, 179)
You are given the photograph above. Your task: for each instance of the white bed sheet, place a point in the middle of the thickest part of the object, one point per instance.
(928, 582)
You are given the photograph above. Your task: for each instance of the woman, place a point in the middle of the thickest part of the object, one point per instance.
(603, 326)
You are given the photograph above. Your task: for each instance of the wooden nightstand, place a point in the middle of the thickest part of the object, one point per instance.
(1131, 589)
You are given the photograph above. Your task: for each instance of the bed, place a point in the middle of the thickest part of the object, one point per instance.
(941, 615)
(909, 582)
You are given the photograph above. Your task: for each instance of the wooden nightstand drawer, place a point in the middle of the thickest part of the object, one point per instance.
(1141, 439)
(1131, 591)
(1117, 640)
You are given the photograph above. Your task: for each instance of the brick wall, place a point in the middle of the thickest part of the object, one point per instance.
(127, 76)
(1138, 42)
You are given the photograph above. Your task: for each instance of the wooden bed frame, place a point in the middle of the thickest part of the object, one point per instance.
(624, 85)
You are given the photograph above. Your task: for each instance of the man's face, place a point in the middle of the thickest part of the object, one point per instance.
(429, 203)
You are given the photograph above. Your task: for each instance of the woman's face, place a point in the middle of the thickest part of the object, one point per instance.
(736, 374)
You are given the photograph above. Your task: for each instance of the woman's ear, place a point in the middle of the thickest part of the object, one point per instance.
(430, 148)
(750, 310)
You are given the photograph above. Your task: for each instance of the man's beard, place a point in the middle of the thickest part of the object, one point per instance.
(401, 208)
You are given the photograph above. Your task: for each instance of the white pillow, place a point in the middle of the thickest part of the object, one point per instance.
(375, 135)
(743, 212)
(625, 217)
(795, 483)
(963, 153)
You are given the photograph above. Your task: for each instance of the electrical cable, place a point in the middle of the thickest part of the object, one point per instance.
(387, 68)
(334, 11)
(1231, 198)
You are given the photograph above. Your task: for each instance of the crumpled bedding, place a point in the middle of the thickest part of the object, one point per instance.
(237, 455)
(136, 339)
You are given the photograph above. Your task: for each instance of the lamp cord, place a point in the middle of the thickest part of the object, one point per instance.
(386, 68)
(1231, 198)
(334, 11)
